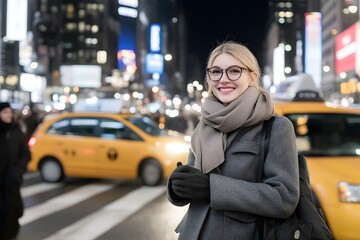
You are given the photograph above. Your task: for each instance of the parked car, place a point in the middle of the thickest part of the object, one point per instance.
(329, 137)
(105, 145)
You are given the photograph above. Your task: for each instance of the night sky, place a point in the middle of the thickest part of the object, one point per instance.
(212, 21)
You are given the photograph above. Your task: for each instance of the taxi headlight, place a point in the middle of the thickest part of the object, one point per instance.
(174, 147)
(349, 192)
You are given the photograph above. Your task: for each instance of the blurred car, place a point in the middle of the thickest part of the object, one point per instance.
(105, 145)
(329, 137)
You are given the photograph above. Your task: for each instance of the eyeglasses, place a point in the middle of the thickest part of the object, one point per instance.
(232, 72)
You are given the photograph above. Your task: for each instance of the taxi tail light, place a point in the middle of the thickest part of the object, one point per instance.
(32, 142)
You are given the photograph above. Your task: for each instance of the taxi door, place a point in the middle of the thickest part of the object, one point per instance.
(119, 150)
(78, 146)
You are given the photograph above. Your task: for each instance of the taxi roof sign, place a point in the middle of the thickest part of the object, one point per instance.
(300, 87)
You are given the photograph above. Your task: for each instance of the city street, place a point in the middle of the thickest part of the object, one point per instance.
(96, 209)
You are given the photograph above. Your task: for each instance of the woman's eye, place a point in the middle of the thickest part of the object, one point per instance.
(234, 70)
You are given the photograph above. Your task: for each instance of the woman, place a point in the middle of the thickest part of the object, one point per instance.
(220, 180)
(14, 156)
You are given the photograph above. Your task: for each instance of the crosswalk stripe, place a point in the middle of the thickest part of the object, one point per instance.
(99, 222)
(30, 175)
(38, 188)
(63, 201)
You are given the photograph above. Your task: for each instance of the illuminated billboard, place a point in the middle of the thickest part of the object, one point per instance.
(347, 52)
(313, 46)
(16, 20)
(87, 76)
(154, 63)
(155, 38)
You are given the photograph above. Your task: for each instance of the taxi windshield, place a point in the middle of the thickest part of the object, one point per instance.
(327, 134)
(147, 125)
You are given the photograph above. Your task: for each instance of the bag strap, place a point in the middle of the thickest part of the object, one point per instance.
(264, 145)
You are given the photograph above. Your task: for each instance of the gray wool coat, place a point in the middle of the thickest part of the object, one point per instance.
(237, 200)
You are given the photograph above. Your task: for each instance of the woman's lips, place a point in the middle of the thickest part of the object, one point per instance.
(226, 89)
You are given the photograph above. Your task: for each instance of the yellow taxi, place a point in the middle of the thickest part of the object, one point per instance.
(105, 145)
(329, 137)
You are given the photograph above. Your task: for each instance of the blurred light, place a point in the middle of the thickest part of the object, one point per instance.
(55, 97)
(141, 96)
(34, 65)
(353, 9)
(168, 57)
(117, 95)
(156, 76)
(287, 70)
(343, 75)
(129, 3)
(47, 108)
(127, 12)
(132, 109)
(126, 97)
(326, 68)
(66, 89)
(190, 88)
(195, 83)
(73, 98)
(59, 105)
(289, 14)
(155, 38)
(177, 147)
(176, 101)
(288, 47)
(172, 112)
(155, 89)
(143, 19)
(168, 102)
(92, 100)
(196, 107)
(131, 68)
(101, 57)
(94, 28)
(174, 19)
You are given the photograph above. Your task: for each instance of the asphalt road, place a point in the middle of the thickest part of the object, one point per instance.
(93, 209)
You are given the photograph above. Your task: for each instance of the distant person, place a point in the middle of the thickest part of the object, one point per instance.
(219, 180)
(14, 156)
(32, 120)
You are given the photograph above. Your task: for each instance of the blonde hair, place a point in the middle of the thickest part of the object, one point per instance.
(242, 54)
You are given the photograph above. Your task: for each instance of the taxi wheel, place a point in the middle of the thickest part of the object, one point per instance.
(51, 170)
(150, 172)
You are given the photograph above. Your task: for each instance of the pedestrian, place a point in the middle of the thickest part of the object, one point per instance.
(219, 180)
(32, 120)
(14, 156)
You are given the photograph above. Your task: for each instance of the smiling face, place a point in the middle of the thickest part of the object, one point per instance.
(225, 89)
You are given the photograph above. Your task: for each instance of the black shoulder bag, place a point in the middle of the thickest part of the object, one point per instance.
(307, 221)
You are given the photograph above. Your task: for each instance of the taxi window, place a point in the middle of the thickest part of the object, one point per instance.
(327, 134)
(75, 127)
(112, 129)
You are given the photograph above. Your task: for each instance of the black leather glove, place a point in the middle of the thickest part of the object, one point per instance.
(190, 183)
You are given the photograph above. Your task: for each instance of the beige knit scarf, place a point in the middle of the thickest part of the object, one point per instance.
(208, 141)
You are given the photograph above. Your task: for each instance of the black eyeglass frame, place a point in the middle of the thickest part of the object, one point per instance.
(226, 69)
